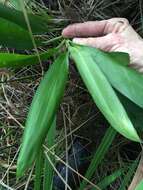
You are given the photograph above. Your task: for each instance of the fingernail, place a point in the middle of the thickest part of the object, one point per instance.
(77, 40)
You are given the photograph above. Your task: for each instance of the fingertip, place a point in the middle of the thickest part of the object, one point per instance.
(75, 40)
(66, 32)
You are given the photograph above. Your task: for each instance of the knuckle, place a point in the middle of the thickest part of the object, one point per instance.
(120, 20)
(117, 25)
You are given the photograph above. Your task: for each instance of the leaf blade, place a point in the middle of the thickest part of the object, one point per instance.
(102, 92)
(20, 60)
(13, 36)
(125, 79)
(43, 109)
(38, 24)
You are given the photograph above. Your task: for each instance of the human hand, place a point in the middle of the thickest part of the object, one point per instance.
(115, 34)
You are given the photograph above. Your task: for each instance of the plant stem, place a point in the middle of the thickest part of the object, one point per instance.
(38, 171)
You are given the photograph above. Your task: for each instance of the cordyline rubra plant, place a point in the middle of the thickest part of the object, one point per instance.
(103, 74)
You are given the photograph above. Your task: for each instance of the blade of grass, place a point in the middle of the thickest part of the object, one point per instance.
(31, 33)
(38, 170)
(99, 155)
(109, 179)
(42, 111)
(127, 178)
(101, 91)
(48, 170)
(138, 175)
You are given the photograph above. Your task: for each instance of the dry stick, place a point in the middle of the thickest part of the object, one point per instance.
(73, 131)
(138, 175)
(57, 172)
(11, 116)
(6, 186)
(29, 178)
(63, 162)
(4, 93)
(10, 166)
(66, 147)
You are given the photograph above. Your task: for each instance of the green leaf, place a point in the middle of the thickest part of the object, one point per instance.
(19, 60)
(13, 36)
(48, 170)
(38, 170)
(125, 79)
(38, 24)
(109, 179)
(99, 155)
(134, 112)
(140, 186)
(102, 93)
(42, 112)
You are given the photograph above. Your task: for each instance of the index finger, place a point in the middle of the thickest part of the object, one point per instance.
(86, 29)
(95, 28)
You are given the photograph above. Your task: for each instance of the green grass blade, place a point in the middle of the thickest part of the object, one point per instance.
(128, 176)
(125, 79)
(99, 155)
(19, 60)
(140, 186)
(109, 179)
(102, 93)
(42, 112)
(48, 170)
(13, 36)
(38, 170)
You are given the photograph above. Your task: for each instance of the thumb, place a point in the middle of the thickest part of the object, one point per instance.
(105, 43)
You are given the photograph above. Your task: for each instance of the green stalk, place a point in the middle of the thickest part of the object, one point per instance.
(109, 179)
(48, 169)
(128, 176)
(99, 155)
(38, 171)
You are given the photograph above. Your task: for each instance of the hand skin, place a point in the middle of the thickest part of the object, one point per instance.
(115, 35)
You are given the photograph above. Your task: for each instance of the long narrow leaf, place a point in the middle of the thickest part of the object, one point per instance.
(125, 79)
(43, 109)
(134, 112)
(19, 60)
(102, 93)
(109, 179)
(127, 178)
(38, 170)
(99, 155)
(48, 170)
